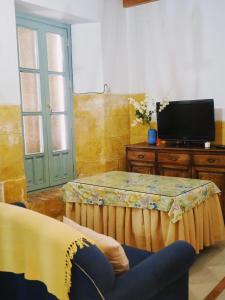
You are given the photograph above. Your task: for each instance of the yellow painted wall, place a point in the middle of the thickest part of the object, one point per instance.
(11, 154)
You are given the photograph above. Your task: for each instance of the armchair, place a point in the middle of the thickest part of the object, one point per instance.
(160, 276)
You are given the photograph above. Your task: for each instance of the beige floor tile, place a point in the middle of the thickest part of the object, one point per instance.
(201, 290)
(48, 202)
(207, 271)
(221, 296)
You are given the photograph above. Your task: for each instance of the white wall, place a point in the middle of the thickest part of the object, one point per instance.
(177, 48)
(87, 58)
(167, 47)
(100, 52)
(9, 81)
(99, 47)
(114, 45)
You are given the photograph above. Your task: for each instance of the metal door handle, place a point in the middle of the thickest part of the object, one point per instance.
(49, 107)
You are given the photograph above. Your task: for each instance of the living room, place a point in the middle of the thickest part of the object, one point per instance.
(166, 49)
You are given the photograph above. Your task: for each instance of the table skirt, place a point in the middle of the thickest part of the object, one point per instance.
(151, 229)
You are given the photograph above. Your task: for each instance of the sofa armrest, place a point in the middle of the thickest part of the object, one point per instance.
(152, 275)
(92, 274)
(135, 255)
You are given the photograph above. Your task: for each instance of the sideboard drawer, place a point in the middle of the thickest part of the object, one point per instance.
(141, 155)
(214, 160)
(179, 158)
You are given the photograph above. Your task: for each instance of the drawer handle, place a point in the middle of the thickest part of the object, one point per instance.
(174, 158)
(211, 160)
(141, 156)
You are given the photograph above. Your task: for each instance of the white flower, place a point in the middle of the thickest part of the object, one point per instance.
(146, 108)
(134, 103)
(138, 120)
(134, 123)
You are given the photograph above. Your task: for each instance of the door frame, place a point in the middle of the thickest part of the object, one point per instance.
(22, 18)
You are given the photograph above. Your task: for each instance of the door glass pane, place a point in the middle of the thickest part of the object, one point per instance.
(58, 125)
(33, 134)
(31, 93)
(56, 93)
(28, 48)
(55, 52)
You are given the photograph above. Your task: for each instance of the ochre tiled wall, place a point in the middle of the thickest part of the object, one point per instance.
(117, 130)
(103, 127)
(220, 132)
(89, 134)
(11, 154)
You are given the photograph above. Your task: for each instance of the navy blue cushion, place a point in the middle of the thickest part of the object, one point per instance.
(155, 273)
(135, 255)
(177, 289)
(91, 264)
(16, 287)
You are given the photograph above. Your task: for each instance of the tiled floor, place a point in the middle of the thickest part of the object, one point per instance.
(221, 296)
(205, 274)
(48, 202)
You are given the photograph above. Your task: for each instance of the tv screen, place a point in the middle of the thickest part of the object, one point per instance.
(187, 121)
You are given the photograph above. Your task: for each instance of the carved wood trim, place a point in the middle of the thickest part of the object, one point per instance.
(129, 3)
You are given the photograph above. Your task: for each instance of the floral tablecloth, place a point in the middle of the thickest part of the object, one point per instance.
(174, 195)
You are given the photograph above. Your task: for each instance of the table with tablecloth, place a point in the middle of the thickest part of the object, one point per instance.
(147, 211)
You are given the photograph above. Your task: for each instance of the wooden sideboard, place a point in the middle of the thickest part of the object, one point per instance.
(178, 161)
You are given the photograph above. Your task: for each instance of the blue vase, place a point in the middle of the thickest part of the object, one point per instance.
(152, 136)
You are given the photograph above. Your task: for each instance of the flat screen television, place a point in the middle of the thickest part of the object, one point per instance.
(191, 121)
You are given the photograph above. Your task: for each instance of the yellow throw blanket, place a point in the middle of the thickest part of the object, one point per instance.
(38, 246)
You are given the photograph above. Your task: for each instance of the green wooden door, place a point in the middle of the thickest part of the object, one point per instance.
(45, 82)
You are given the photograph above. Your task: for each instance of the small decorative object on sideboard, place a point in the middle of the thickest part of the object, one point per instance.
(144, 112)
(152, 136)
(207, 145)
